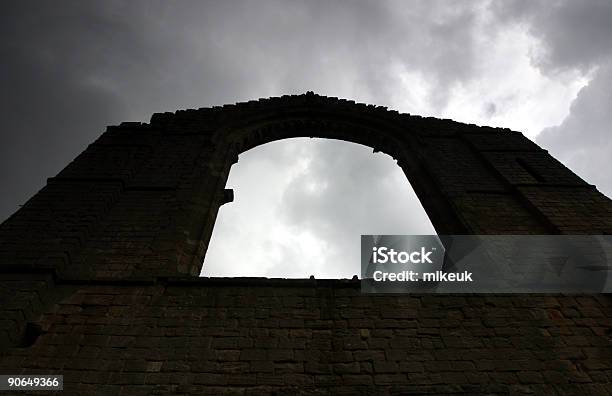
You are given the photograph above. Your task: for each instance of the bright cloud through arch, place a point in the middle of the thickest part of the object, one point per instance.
(301, 205)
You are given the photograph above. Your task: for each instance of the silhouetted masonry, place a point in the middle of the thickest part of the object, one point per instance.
(99, 269)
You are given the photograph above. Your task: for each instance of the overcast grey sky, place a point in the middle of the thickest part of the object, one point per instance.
(69, 68)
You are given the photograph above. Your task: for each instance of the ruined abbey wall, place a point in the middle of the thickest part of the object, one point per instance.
(99, 269)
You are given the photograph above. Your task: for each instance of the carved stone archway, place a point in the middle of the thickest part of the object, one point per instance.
(141, 201)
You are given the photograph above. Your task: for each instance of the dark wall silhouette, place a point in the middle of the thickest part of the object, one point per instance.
(99, 269)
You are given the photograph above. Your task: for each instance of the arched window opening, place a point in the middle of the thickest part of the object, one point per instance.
(301, 205)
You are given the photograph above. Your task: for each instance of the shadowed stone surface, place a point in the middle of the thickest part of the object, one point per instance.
(98, 271)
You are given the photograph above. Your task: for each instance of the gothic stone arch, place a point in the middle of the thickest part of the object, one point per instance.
(141, 201)
(136, 209)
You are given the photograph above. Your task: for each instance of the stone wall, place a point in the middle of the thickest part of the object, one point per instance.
(246, 336)
(98, 271)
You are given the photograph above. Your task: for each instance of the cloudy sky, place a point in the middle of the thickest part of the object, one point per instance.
(70, 68)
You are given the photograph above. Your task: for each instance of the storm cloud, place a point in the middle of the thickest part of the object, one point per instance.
(69, 68)
(575, 36)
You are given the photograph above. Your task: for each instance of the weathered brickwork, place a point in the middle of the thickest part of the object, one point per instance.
(98, 271)
(316, 337)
